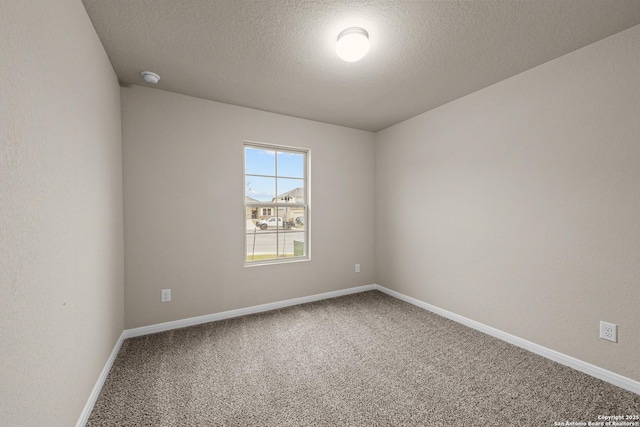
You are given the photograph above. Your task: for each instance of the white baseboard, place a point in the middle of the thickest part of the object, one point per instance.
(589, 369)
(145, 330)
(579, 365)
(176, 324)
(88, 407)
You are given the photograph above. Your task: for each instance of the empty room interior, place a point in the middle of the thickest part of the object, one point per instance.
(335, 212)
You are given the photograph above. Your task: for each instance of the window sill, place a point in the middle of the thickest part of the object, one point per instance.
(276, 261)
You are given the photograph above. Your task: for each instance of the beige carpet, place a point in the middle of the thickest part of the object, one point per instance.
(360, 360)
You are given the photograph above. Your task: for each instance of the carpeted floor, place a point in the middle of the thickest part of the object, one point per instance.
(361, 360)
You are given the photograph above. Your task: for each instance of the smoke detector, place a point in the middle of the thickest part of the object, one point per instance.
(150, 77)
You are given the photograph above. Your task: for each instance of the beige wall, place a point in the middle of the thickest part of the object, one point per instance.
(184, 214)
(518, 206)
(61, 243)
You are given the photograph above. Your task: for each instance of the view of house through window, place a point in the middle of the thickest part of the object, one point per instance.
(276, 203)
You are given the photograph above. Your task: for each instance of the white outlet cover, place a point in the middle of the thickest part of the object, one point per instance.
(165, 295)
(609, 331)
(357, 268)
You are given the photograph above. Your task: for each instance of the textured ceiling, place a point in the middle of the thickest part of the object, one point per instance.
(278, 55)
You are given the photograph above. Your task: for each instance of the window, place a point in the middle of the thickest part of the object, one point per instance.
(276, 204)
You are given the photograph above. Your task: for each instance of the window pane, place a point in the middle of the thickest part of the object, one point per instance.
(260, 161)
(290, 244)
(261, 245)
(298, 219)
(290, 190)
(268, 218)
(274, 232)
(251, 217)
(293, 218)
(291, 165)
(260, 188)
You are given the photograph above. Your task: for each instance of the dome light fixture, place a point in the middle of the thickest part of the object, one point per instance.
(150, 77)
(353, 44)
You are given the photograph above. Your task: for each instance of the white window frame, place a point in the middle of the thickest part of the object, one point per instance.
(277, 205)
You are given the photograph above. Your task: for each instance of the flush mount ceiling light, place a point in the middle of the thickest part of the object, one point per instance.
(353, 44)
(150, 77)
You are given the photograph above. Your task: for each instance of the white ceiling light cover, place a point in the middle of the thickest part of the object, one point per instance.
(353, 44)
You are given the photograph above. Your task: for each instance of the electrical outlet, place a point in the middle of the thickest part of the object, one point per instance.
(357, 268)
(166, 295)
(609, 331)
